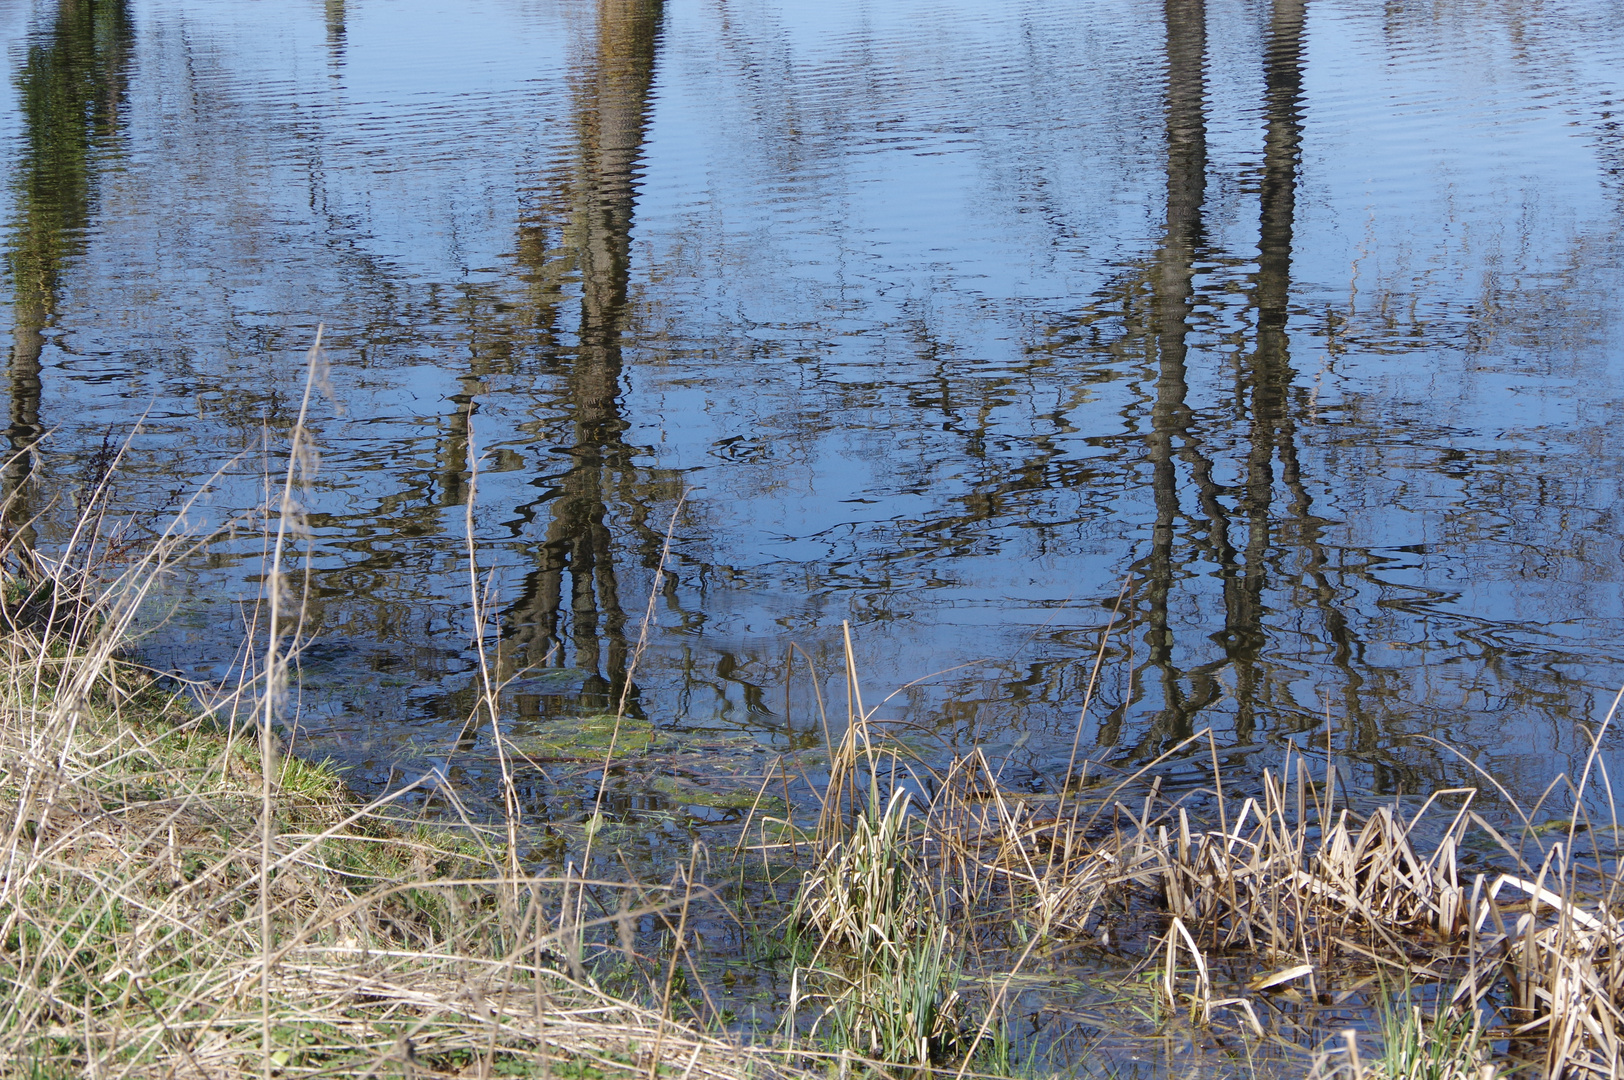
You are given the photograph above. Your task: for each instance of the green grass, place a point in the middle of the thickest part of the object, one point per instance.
(1444, 1046)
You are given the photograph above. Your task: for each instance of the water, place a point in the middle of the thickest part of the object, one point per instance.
(1291, 323)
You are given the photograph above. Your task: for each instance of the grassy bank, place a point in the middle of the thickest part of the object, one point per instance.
(144, 873)
(180, 898)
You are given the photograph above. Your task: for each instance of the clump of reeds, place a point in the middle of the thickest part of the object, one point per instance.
(1294, 876)
(1538, 942)
(884, 967)
(1292, 871)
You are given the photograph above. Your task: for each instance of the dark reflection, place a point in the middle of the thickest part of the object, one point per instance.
(1262, 406)
(335, 30)
(1272, 432)
(585, 628)
(1171, 278)
(1274, 415)
(1235, 522)
(71, 91)
(454, 447)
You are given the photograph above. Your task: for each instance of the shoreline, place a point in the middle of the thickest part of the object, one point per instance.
(135, 890)
(151, 924)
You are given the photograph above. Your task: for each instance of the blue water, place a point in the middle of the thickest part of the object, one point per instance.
(942, 319)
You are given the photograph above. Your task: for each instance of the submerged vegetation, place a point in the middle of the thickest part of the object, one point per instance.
(179, 896)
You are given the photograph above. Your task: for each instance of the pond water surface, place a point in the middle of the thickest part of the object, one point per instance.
(1287, 330)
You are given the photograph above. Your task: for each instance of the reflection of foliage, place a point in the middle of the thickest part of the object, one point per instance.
(71, 87)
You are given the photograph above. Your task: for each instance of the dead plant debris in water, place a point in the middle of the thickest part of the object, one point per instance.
(1302, 885)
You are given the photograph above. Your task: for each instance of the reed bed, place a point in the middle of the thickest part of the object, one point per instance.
(1309, 888)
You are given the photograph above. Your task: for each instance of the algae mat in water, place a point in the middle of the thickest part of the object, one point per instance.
(586, 737)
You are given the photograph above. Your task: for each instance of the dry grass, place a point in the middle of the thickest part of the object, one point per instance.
(179, 898)
(133, 883)
(132, 891)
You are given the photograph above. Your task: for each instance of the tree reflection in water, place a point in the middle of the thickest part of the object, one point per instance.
(592, 246)
(71, 91)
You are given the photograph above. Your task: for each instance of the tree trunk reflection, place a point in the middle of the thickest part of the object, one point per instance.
(71, 92)
(611, 113)
(1267, 434)
(1172, 281)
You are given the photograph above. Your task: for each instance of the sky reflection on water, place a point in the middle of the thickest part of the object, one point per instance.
(949, 318)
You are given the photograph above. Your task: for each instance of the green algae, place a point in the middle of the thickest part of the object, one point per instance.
(585, 737)
(714, 794)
